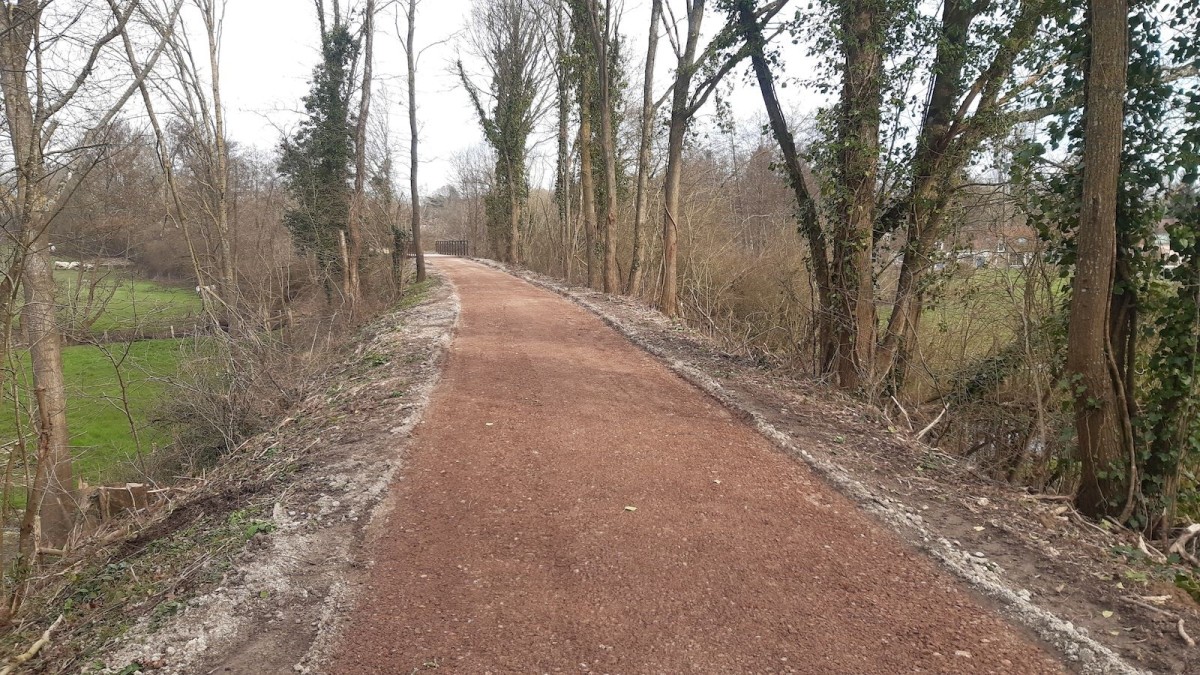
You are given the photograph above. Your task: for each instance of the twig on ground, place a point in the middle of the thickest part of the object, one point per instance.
(1183, 634)
(1151, 552)
(33, 649)
(1147, 606)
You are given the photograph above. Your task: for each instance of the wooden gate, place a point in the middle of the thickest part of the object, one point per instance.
(461, 248)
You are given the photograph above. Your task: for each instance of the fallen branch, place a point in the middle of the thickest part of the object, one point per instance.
(1147, 606)
(921, 433)
(45, 640)
(1151, 552)
(1180, 545)
(1179, 627)
(904, 412)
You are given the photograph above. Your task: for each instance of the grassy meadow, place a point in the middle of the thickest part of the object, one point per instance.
(102, 440)
(114, 301)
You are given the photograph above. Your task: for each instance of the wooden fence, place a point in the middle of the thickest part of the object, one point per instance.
(460, 248)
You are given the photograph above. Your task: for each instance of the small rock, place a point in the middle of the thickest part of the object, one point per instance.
(963, 653)
(983, 501)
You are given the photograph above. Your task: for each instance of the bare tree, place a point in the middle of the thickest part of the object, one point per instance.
(358, 201)
(800, 178)
(645, 140)
(197, 104)
(40, 104)
(715, 60)
(564, 172)
(408, 42)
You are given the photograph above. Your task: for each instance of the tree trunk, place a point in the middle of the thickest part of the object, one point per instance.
(927, 200)
(668, 301)
(514, 220)
(563, 174)
(228, 281)
(945, 144)
(1101, 416)
(358, 202)
(56, 504)
(852, 273)
(587, 185)
(600, 35)
(645, 139)
(803, 185)
(414, 189)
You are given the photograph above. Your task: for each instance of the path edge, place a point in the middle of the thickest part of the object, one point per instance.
(1072, 642)
(345, 598)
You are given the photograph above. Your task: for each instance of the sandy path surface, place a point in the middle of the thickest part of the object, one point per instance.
(570, 505)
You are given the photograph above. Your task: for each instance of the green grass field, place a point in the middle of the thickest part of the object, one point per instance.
(117, 301)
(972, 314)
(100, 432)
(101, 439)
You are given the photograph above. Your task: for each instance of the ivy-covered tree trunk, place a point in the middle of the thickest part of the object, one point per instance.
(1172, 422)
(947, 140)
(587, 182)
(511, 41)
(1102, 424)
(800, 178)
(564, 166)
(864, 23)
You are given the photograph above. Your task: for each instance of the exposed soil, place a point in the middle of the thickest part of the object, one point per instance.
(570, 504)
(1040, 559)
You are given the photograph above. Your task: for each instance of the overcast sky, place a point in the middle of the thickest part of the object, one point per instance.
(270, 48)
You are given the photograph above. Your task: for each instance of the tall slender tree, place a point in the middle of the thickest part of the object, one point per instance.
(645, 142)
(596, 35)
(411, 54)
(358, 210)
(40, 102)
(1101, 417)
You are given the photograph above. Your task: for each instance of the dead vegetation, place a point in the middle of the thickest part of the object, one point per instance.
(249, 542)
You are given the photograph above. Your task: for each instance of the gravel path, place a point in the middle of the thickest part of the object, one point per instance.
(570, 505)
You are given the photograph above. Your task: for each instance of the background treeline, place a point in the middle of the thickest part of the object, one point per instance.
(989, 225)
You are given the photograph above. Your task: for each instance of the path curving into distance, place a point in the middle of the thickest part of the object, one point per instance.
(570, 505)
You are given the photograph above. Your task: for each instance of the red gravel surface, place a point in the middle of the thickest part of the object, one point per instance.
(570, 505)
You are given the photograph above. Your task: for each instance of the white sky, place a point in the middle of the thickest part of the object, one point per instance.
(269, 50)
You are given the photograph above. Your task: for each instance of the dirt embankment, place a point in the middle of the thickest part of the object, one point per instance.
(251, 570)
